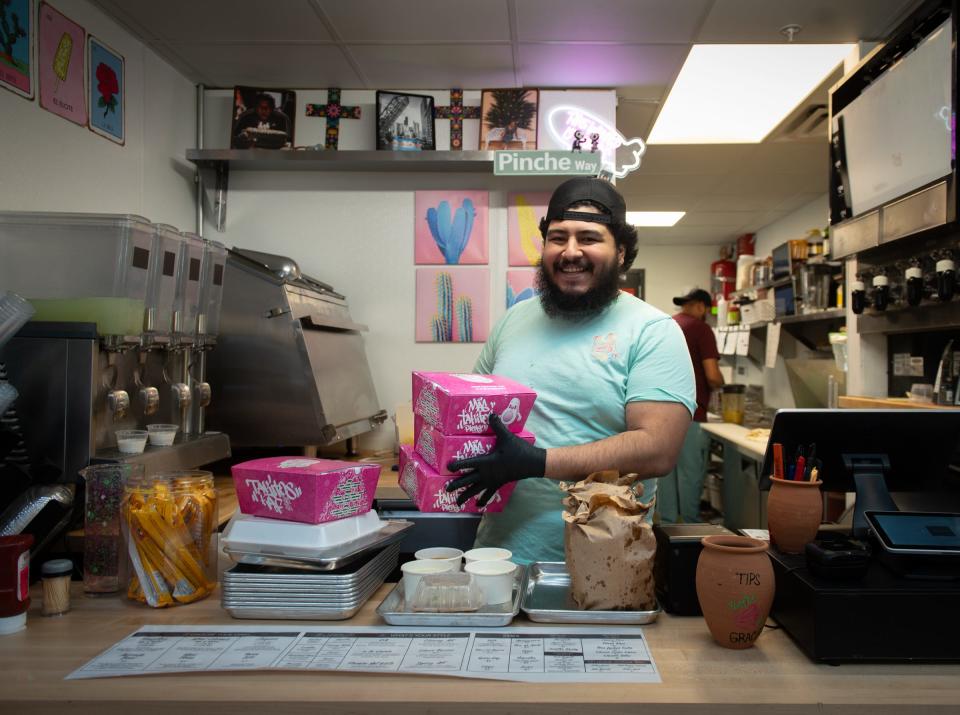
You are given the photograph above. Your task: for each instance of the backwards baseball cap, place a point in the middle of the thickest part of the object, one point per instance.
(579, 190)
(694, 294)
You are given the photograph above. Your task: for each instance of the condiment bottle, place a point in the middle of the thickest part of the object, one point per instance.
(14, 582)
(881, 292)
(914, 276)
(946, 279)
(858, 296)
(56, 586)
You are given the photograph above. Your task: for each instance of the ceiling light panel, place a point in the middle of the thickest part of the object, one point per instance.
(737, 94)
(654, 218)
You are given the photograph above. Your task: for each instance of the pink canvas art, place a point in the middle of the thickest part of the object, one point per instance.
(524, 211)
(451, 227)
(60, 49)
(521, 285)
(453, 305)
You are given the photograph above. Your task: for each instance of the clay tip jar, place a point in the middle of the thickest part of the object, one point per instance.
(735, 588)
(794, 510)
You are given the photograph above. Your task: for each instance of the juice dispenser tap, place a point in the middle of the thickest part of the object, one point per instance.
(206, 326)
(881, 292)
(913, 278)
(858, 296)
(946, 278)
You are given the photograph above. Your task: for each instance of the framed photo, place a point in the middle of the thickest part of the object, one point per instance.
(61, 45)
(106, 91)
(17, 43)
(262, 118)
(405, 122)
(508, 119)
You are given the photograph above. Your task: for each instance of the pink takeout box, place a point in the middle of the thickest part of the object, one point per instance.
(426, 488)
(460, 403)
(303, 489)
(438, 449)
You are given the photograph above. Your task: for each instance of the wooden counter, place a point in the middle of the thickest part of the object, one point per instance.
(887, 403)
(698, 677)
(743, 438)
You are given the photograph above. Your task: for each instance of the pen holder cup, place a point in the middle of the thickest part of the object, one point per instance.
(794, 510)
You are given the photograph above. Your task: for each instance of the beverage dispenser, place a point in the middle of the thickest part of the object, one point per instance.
(206, 328)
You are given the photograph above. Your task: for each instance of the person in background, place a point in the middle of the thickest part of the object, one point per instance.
(679, 492)
(615, 389)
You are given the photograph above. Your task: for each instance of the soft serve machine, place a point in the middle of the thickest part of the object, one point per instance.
(126, 313)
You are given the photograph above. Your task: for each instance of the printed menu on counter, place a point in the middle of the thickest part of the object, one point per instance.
(534, 655)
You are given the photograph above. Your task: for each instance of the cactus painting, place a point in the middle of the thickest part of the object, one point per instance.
(60, 65)
(451, 227)
(16, 40)
(524, 242)
(521, 285)
(453, 305)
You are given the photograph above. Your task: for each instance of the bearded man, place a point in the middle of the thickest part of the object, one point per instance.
(615, 385)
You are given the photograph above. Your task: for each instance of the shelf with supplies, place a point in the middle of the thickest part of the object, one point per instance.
(746, 292)
(215, 165)
(810, 330)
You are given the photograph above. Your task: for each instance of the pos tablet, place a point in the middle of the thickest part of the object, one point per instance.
(910, 532)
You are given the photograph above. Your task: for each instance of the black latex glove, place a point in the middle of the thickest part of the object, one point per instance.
(510, 460)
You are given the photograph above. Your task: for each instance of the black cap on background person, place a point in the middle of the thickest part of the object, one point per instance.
(694, 294)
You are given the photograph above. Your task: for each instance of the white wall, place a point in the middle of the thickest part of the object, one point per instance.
(670, 269)
(815, 214)
(51, 164)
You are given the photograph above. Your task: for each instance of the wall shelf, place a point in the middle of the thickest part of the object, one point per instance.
(336, 160)
(832, 314)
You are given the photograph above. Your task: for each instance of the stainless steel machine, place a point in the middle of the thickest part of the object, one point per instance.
(125, 317)
(290, 368)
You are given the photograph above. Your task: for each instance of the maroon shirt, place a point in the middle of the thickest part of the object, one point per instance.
(702, 345)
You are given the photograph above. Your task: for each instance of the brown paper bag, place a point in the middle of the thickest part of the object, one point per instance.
(609, 546)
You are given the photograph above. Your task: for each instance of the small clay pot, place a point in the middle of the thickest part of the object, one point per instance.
(794, 510)
(735, 587)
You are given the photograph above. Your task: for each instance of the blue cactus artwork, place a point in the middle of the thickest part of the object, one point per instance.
(514, 298)
(451, 227)
(521, 286)
(451, 234)
(453, 305)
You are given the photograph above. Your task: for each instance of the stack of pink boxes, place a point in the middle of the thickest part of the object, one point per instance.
(451, 413)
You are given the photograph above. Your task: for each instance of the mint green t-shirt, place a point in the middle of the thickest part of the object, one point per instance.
(584, 373)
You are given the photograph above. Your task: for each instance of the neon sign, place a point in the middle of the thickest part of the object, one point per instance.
(619, 155)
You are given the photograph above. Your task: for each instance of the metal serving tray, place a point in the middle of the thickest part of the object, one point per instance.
(244, 576)
(311, 593)
(326, 559)
(547, 599)
(394, 610)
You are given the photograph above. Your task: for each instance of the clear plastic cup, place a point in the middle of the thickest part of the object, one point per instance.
(454, 592)
(162, 435)
(131, 441)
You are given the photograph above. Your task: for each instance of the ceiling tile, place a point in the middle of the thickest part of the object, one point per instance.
(225, 20)
(706, 159)
(426, 21)
(801, 157)
(822, 20)
(585, 65)
(634, 119)
(435, 66)
(770, 185)
(297, 66)
(716, 219)
(677, 234)
(640, 183)
(655, 21)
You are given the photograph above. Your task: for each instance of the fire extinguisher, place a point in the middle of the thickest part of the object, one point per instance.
(723, 275)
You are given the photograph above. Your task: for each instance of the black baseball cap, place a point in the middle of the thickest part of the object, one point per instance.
(581, 189)
(695, 294)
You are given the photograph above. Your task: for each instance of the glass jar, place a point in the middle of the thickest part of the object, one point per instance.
(102, 541)
(170, 528)
(733, 402)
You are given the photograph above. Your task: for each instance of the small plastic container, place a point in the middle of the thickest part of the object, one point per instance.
(170, 528)
(162, 435)
(56, 586)
(131, 441)
(413, 571)
(447, 593)
(921, 392)
(103, 555)
(488, 554)
(733, 403)
(495, 579)
(442, 555)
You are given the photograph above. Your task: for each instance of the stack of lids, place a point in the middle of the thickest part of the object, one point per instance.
(306, 541)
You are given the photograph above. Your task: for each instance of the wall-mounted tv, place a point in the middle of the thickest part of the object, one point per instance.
(893, 135)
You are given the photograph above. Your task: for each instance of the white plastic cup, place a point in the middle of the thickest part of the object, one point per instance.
(453, 558)
(488, 554)
(162, 435)
(131, 441)
(413, 571)
(495, 579)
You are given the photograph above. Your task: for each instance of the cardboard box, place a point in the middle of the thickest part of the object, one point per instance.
(312, 491)
(438, 449)
(426, 488)
(460, 403)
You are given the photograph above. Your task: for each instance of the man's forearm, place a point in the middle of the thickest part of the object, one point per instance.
(632, 451)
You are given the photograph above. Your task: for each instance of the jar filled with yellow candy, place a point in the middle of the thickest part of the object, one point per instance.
(170, 528)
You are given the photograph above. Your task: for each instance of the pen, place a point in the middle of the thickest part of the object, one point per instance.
(799, 473)
(811, 460)
(778, 460)
(813, 474)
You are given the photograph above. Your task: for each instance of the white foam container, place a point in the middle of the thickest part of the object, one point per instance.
(495, 579)
(254, 534)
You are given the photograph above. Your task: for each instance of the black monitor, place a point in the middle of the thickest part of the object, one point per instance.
(872, 452)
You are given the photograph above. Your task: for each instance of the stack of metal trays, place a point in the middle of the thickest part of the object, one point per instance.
(285, 593)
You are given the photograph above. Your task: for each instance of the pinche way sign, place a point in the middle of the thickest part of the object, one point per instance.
(545, 163)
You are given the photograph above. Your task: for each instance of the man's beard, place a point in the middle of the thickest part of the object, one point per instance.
(558, 304)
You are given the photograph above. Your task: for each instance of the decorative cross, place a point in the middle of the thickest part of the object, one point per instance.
(334, 112)
(456, 113)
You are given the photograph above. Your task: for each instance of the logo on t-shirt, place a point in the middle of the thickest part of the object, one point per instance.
(605, 347)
